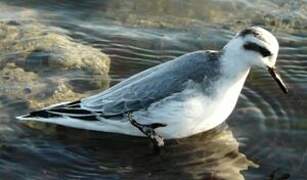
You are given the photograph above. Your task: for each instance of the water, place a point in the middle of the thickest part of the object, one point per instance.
(263, 138)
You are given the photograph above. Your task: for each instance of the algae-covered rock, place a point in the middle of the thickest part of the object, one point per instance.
(42, 66)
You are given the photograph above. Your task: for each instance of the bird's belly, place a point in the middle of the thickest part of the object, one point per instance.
(185, 118)
(192, 113)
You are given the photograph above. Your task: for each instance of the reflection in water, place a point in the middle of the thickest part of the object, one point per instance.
(83, 154)
(136, 34)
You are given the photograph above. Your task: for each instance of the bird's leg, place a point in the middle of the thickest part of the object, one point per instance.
(149, 131)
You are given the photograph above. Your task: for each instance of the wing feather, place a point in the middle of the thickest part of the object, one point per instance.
(140, 90)
(154, 84)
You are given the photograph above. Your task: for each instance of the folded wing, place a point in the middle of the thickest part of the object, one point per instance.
(152, 85)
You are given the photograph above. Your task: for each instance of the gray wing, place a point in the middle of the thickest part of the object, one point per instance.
(154, 84)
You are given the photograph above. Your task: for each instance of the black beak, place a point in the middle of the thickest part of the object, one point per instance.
(278, 79)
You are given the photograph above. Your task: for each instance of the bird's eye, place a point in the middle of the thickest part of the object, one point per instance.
(257, 48)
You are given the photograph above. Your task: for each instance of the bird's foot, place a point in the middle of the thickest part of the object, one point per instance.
(149, 131)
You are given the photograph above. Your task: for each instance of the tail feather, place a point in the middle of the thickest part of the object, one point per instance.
(71, 114)
(62, 110)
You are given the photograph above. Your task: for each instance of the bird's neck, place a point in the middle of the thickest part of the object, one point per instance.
(233, 75)
(231, 81)
(233, 66)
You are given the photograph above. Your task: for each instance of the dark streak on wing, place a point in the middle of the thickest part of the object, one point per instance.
(64, 110)
(43, 114)
(72, 110)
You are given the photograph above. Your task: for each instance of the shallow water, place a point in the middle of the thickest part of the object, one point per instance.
(265, 137)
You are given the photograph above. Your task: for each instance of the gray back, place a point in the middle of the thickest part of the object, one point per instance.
(156, 83)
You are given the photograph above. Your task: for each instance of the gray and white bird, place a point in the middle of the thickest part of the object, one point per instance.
(193, 93)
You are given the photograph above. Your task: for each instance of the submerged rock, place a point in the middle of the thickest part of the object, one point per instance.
(282, 15)
(42, 66)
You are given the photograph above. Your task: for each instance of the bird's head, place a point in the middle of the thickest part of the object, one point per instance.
(257, 47)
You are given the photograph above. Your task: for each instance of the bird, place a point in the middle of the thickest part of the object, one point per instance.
(190, 94)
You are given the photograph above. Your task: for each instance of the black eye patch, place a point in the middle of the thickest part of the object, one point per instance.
(255, 47)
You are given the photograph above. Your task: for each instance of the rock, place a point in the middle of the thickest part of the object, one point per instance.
(188, 14)
(42, 66)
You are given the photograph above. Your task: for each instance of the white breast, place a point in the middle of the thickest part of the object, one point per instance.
(221, 106)
(197, 113)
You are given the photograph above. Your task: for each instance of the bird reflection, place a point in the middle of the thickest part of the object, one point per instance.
(210, 155)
